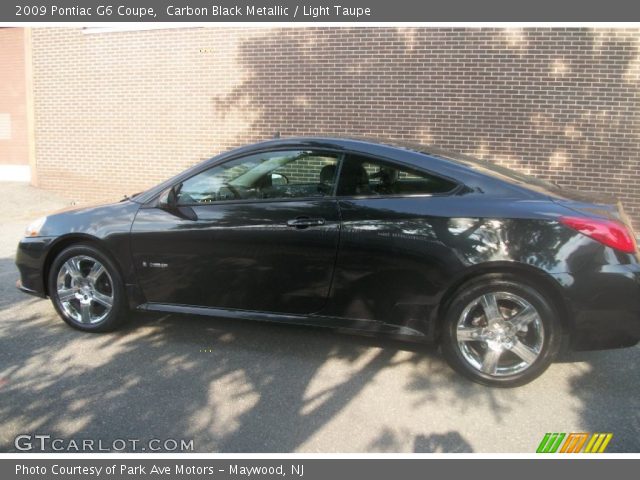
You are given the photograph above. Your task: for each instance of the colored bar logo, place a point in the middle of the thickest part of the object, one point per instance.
(574, 443)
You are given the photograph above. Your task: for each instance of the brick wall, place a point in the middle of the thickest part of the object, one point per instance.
(117, 112)
(13, 112)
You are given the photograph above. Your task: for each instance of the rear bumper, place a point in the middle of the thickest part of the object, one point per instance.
(604, 306)
(30, 260)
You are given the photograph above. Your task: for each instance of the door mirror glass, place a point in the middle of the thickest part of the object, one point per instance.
(278, 179)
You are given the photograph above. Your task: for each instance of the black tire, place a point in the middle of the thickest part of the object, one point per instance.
(113, 317)
(499, 284)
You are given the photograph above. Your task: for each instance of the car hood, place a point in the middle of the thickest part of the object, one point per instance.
(95, 220)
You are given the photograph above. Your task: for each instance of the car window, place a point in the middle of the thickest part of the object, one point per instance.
(366, 176)
(269, 175)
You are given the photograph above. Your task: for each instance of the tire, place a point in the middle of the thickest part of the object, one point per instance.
(87, 297)
(501, 348)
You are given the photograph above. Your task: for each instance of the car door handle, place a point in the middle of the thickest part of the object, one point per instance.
(304, 222)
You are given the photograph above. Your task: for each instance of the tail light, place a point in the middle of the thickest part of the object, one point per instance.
(609, 232)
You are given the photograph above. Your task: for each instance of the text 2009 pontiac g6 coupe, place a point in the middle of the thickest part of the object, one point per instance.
(408, 241)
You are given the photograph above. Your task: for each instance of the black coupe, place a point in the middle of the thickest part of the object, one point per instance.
(501, 269)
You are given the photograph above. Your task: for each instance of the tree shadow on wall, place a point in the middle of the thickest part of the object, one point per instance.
(545, 101)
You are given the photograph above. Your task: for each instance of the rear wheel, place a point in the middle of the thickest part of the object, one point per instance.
(500, 331)
(86, 289)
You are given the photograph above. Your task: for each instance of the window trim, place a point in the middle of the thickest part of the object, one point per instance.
(341, 154)
(339, 159)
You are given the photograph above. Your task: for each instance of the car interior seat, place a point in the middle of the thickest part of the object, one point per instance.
(354, 179)
(327, 179)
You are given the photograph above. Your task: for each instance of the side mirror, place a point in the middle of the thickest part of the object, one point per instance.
(168, 201)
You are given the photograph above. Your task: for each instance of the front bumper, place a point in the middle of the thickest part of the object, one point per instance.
(30, 259)
(24, 289)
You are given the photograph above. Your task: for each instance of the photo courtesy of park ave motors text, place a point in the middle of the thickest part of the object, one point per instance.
(259, 239)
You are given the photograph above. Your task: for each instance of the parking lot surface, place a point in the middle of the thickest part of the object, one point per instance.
(235, 386)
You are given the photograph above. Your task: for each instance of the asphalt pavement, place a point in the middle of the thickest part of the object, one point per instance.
(232, 386)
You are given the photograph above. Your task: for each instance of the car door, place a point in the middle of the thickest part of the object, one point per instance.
(393, 257)
(258, 233)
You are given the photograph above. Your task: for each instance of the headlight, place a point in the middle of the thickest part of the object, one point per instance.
(33, 230)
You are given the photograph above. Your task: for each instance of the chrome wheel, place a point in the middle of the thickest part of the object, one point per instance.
(500, 334)
(85, 289)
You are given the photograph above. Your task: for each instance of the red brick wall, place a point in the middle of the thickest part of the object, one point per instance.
(13, 113)
(116, 112)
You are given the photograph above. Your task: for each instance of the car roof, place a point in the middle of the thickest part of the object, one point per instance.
(444, 159)
(394, 150)
(357, 143)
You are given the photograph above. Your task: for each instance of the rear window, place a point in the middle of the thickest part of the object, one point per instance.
(366, 176)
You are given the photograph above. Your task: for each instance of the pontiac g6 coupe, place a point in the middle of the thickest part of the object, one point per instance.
(500, 269)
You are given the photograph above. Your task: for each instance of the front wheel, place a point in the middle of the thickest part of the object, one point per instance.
(86, 289)
(500, 332)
